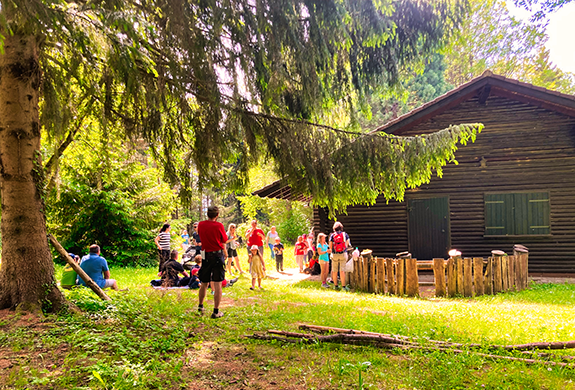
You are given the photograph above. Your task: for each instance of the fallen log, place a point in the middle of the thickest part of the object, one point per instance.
(89, 282)
(363, 340)
(556, 345)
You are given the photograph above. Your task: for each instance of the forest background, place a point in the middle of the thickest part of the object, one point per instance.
(102, 189)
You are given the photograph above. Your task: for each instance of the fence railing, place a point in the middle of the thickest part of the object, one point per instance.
(456, 276)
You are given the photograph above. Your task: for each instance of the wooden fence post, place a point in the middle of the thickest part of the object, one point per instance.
(366, 260)
(400, 277)
(411, 278)
(505, 273)
(390, 265)
(380, 276)
(478, 275)
(459, 273)
(497, 274)
(355, 273)
(467, 278)
(372, 270)
(451, 277)
(76, 267)
(522, 260)
(488, 281)
(511, 270)
(439, 276)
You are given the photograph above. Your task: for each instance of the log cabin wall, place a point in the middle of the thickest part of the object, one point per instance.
(523, 148)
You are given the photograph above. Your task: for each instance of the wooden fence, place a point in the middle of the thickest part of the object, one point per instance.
(456, 276)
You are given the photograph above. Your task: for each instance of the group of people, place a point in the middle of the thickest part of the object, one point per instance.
(94, 265)
(210, 246)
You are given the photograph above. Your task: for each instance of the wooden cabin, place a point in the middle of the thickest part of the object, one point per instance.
(514, 185)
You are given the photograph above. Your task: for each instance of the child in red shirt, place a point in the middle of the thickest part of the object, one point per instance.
(299, 251)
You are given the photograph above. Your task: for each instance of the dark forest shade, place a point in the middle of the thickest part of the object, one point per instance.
(524, 157)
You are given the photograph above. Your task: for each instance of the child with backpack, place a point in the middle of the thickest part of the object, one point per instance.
(338, 244)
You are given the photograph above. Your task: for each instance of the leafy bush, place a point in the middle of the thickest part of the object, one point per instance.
(294, 224)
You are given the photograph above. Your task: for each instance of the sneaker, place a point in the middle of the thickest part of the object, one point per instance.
(261, 288)
(251, 288)
(219, 314)
(347, 288)
(325, 285)
(336, 287)
(201, 310)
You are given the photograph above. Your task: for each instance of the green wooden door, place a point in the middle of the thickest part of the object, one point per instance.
(428, 227)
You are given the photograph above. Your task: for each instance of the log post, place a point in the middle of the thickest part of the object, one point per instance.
(522, 255)
(355, 273)
(366, 262)
(505, 273)
(467, 278)
(400, 277)
(459, 273)
(478, 275)
(497, 274)
(511, 265)
(380, 276)
(372, 270)
(439, 276)
(76, 267)
(390, 265)
(411, 278)
(451, 278)
(488, 281)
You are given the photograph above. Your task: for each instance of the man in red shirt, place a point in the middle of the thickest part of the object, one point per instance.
(213, 237)
(256, 236)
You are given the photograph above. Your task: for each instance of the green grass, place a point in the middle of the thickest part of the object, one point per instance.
(146, 339)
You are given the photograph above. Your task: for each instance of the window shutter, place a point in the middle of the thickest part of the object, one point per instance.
(538, 213)
(496, 221)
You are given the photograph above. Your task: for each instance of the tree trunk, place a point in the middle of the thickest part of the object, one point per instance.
(27, 271)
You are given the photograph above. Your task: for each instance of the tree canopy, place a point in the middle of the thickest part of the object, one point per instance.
(211, 87)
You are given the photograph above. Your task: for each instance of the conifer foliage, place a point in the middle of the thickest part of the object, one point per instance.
(210, 85)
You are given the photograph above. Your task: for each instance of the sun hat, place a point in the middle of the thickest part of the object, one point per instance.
(254, 247)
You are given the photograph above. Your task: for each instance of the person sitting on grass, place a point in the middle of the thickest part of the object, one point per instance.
(69, 276)
(97, 269)
(257, 267)
(170, 271)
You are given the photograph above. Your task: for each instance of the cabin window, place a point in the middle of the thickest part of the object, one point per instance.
(524, 213)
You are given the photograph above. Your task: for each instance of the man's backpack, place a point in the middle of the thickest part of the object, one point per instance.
(339, 242)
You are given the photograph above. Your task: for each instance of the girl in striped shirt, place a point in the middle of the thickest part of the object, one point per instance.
(163, 243)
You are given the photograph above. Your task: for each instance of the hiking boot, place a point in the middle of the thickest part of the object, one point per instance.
(219, 314)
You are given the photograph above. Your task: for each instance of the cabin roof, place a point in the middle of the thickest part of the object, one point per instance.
(483, 86)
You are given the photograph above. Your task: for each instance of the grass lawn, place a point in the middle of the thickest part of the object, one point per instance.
(148, 339)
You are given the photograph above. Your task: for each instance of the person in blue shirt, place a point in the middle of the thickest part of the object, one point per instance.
(97, 269)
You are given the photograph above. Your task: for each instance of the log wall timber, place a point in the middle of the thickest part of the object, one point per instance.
(522, 148)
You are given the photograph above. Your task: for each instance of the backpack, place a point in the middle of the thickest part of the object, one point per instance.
(339, 242)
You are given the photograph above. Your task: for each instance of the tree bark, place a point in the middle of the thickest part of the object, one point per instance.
(27, 271)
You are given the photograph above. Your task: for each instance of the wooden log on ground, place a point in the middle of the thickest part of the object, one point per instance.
(390, 272)
(76, 267)
(459, 273)
(380, 275)
(411, 278)
(497, 284)
(451, 278)
(439, 276)
(505, 273)
(478, 281)
(400, 277)
(467, 277)
(488, 280)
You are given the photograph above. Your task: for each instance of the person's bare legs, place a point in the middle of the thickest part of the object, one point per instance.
(237, 260)
(260, 282)
(253, 283)
(217, 286)
(324, 271)
(202, 292)
(342, 276)
(229, 265)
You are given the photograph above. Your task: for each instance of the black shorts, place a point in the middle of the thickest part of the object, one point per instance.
(232, 253)
(213, 268)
